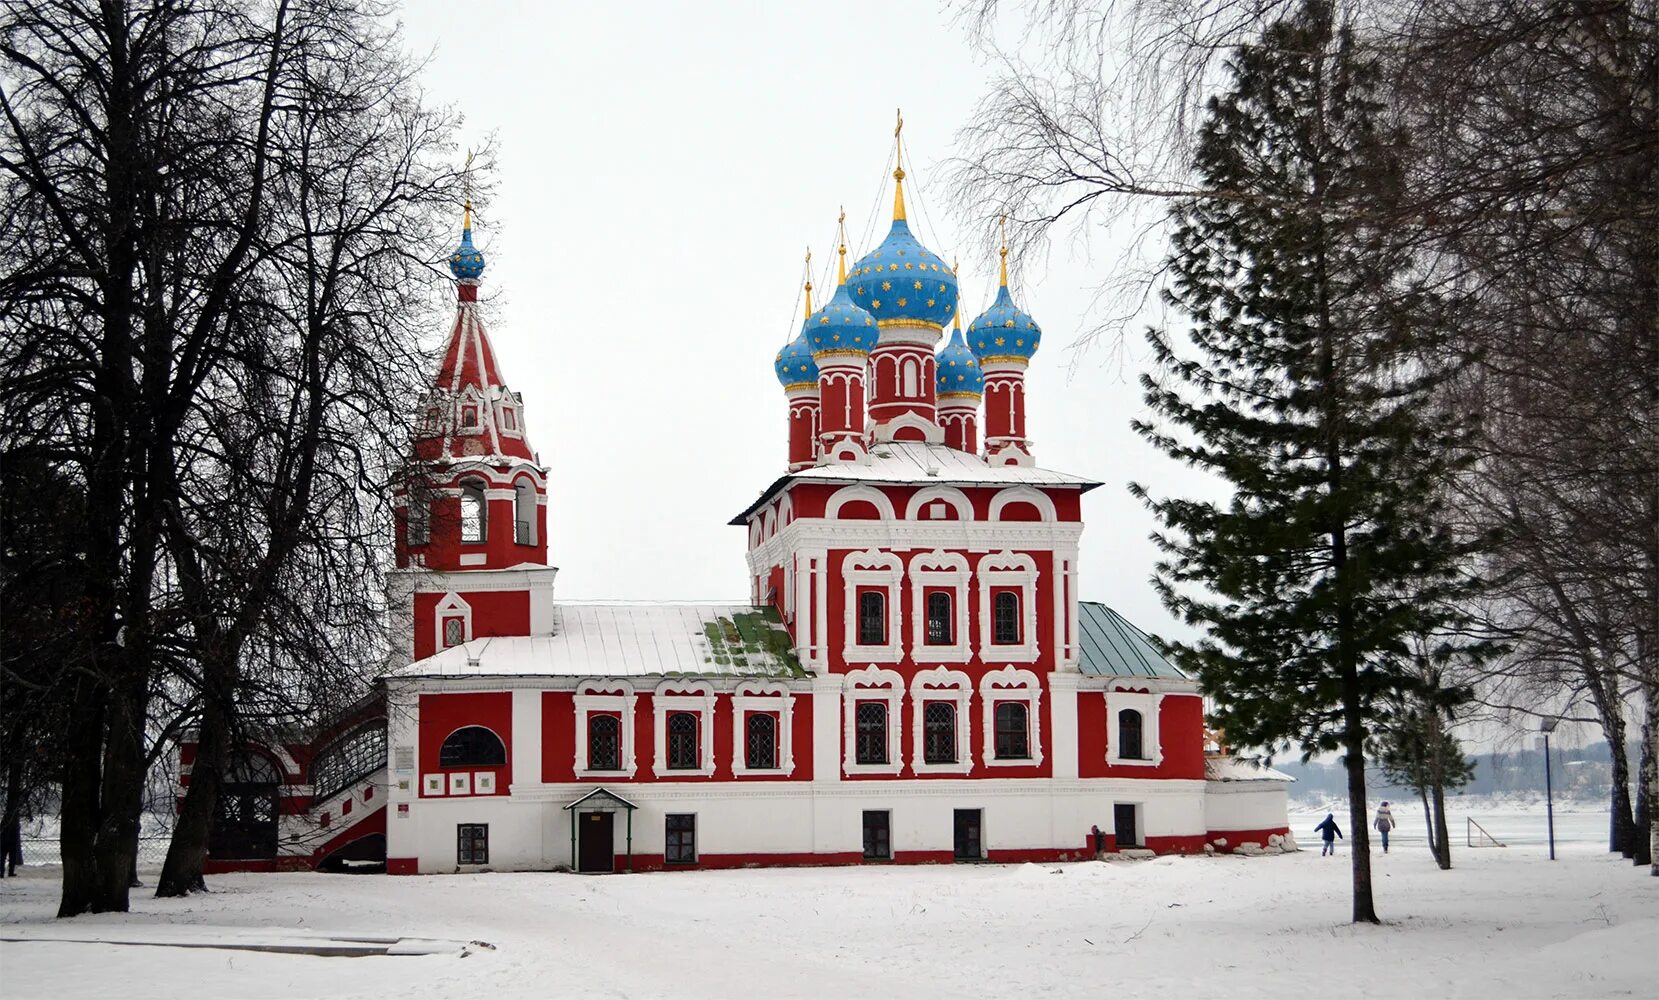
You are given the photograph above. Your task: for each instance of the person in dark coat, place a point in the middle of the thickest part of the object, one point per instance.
(1328, 831)
(11, 847)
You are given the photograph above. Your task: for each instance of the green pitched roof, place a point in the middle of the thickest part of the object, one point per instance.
(1110, 646)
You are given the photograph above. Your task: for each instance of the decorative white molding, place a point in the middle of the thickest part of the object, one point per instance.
(940, 570)
(887, 430)
(605, 696)
(872, 568)
(451, 606)
(1011, 684)
(1024, 494)
(696, 697)
(474, 558)
(1146, 702)
(872, 683)
(951, 686)
(1016, 570)
(915, 508)
(848, 494)
(769, 697)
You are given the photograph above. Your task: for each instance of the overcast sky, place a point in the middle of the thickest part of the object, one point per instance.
(661, 169)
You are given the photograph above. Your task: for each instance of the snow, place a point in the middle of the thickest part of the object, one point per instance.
(1503, 923)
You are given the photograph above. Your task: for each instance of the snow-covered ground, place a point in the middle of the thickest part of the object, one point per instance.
(1504, 923)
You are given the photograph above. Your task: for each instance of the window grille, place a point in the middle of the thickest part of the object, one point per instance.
(604, 742)
(682, 742)
(872, 618)
(1129, 735)
(939, 733)
(760, 751)
(473, 746)
(941, 626)
(455, 631)
(347, 760)
(1012, 732)
(1005, 629)
(872, 732)
(474, 513)
(680, 840)
(878, 840)
(472, 844)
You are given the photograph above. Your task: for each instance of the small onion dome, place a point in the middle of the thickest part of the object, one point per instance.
(794, 365)
(840, 328)
(903, 283)
(959, 373)
(1003, 332)
(466, 263)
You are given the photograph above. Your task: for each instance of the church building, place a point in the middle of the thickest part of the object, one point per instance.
(915, 676)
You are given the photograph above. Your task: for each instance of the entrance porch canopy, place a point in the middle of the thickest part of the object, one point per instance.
(601, 800)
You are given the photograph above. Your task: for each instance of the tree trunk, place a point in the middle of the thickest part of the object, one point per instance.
(1359, 839)
(181, 874)
(1428, 820)
(78, 816)
(1622, 833)
(1442, 836)
(1650, 780)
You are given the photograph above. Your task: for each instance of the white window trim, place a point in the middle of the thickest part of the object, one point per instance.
(877, 569)
(950, 495)
(1010, 684)
(599, 696)
(502, 412)
(1024, 494)
(940, 570)
(684, 696)
(451, 606)
(872, 684)
(955, 687)
(1009, 569)
(769, 697)
(1147, 703)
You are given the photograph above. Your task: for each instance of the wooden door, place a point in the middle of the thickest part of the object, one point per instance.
(1123, 818)
(596, 842)
(968, 846)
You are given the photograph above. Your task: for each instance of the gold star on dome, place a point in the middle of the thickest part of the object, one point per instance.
(982, 345)
(868, 321)
(907, 266)
(950, 364)
(875, 303)
(803, 368)
(1019, 343)
(999, 341)
(886, 286)
(860, 290)
(901, 254)
(822, 320)
(902, 303)
(836, 338)
(1009, 324)
(930, 303)
(918, 286)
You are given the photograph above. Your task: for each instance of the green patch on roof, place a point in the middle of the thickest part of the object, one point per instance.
(752, 642)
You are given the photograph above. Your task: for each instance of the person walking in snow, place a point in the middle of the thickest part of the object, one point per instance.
(1384, 823)
(1328, 831)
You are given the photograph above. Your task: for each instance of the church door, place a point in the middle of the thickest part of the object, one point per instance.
(967, 835)
(1123, 818)
(596, 850)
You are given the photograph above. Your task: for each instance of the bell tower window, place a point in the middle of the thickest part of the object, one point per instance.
(474, 510)
(469, 417)
(524, 512)
(420, 520)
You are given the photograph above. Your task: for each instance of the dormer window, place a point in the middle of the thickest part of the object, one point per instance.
(469, 417)
(509, 419)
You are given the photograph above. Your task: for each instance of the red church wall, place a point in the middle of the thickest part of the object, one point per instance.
(443, 714)
(494, 612)
(558, 736)
(1180, 736)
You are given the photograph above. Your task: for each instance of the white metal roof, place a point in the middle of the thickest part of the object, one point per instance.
(627, 640)
(1241, 769)
(917, 462)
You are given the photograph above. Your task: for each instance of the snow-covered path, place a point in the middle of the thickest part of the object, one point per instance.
(1504, 923)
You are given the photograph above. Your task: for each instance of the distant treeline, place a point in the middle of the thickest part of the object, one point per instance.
(1584, 773)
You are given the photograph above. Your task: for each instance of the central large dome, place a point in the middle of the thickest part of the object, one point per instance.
(902, 283)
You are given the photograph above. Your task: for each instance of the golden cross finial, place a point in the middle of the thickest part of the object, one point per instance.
(956, 314)
(841, 264)
(1003, 222)
(898, 168)
(809, 282)
(466, 184)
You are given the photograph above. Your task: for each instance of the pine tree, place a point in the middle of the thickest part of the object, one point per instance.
(1308, 382)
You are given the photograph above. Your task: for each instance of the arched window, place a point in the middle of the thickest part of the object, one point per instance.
(524, 512)
(1013, 735)
(604, 743)
(872, 618)
(473, 746)
(474, 512)
(872, 732)
(1005, 619)
(760, 749)
(420, 518)
(1129, 735)
(939, 733)
(682, 742)
(908, 388)
(941, 624)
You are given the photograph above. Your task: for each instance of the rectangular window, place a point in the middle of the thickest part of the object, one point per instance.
(455, 631)
(472, 844)
(941, 623)
(420, 521)
(939, 733)
(681, 839)
(682, 742)
(872, 618)
(1012, 732)
(878, 840)
(872, 732)
(604, 743)
(1005, 618)
(760, 750)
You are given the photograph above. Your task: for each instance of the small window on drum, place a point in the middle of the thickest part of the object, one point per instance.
(473, 746)
(941, 624)
(872, 618)
(1005, 619)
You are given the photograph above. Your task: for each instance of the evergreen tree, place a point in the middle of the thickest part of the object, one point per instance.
(1315, 347)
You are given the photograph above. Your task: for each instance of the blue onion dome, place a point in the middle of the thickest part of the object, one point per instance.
(1003, 332)
(959, 373)
(794, 364)
(841, 327)
(466, 263)
(901, 282)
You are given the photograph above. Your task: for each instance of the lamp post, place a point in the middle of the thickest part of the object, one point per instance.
(1546, 727)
